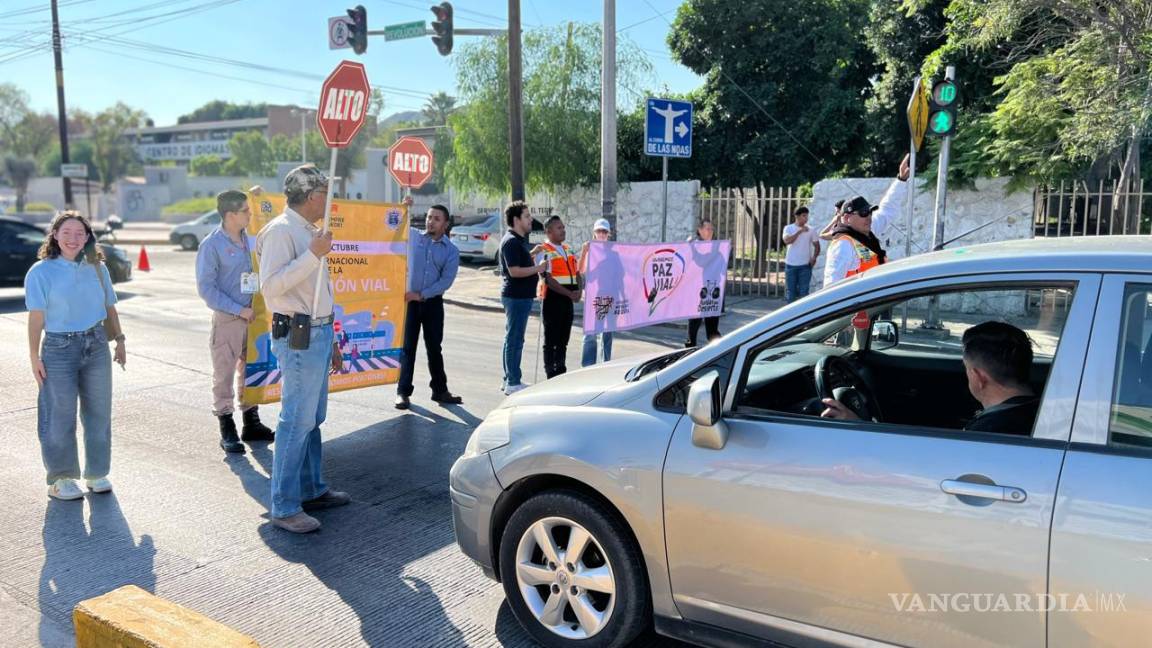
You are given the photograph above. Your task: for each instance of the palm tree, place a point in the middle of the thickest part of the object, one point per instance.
(437, 108)
(20, 171)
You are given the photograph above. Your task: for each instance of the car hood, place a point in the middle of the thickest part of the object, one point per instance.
(578, 387)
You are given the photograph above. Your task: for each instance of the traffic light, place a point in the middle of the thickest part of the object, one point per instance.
(358, 30)
(442, 26)
(942, 109)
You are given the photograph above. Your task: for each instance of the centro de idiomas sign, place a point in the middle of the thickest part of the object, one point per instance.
(184, 150)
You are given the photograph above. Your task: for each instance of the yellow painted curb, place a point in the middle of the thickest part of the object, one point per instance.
(129, 617)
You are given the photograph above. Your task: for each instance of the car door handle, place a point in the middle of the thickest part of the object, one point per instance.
(984, 491)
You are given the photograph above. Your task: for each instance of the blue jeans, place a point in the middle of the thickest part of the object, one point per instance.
(516, 314)
(589, 358)
(298, 455)
(78, 367)
(797, 282)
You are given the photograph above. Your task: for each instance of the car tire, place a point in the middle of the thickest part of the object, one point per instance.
(188, 242)
(543, 594)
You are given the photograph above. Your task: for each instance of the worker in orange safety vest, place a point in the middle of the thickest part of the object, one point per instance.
(855, 246)
(560, 291)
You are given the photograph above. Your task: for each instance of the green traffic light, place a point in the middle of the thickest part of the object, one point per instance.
(940, 122)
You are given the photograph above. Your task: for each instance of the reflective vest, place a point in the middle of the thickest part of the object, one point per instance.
(868, 258)
(562, 266)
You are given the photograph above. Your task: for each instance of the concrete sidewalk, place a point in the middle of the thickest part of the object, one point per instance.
(150, 233)
(479, 288)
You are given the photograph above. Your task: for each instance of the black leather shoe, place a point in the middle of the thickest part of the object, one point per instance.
(402, 403)
(229, 442)
(447, 398)
(253, 429)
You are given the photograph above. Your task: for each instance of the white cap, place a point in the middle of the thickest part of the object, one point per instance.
(602, 224)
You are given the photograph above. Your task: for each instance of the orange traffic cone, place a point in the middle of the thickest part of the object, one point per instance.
(143, 265)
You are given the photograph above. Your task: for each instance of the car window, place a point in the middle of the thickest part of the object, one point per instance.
(1130, 419)
(909, 354)
(26, 234)
(211, 218)
(675, 398)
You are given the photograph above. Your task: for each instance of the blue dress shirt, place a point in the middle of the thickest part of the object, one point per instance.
(219, 264)
(432, 265)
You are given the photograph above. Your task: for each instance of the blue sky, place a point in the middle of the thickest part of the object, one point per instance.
(111, 51)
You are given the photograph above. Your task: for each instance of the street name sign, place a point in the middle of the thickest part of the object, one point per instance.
(74, 170)
(668, 128)
(343, 104)
(410, 162)
(338, 29)
(415, 29)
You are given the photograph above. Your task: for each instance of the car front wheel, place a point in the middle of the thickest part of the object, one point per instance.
(572, 573)
(189, 242)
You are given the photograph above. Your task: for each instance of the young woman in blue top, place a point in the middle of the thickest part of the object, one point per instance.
(69, 295)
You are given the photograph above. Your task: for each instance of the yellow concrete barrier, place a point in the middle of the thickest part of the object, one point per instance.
(129, 617)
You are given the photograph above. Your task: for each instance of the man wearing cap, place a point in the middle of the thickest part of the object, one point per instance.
(855, 244)
(291, 250)
(601, 231)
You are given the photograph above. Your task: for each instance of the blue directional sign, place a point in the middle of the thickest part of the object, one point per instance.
(668, 128)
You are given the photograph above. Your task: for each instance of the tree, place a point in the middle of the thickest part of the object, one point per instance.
(786, 85)
(561, 109)
(206, 165)
(113, 153)
(79, 152)
(438, 108)
(252, 154)
(223, 110)
(20, 171)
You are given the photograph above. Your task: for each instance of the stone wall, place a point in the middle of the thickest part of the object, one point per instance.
(1010, 214)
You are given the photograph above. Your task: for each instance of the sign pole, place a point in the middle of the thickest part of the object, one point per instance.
(323, 271)
(933, 319)
(664, 211)
(88, 197)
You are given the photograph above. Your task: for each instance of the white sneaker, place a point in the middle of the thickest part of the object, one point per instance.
(101, 485)
(512, 389)
(65, 489)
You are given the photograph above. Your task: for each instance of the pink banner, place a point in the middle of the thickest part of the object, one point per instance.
(631, 286)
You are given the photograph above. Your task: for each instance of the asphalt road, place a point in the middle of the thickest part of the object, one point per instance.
(190, 524)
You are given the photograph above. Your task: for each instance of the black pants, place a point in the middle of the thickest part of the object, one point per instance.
(558, 313)
(711, 329)
(429, 315)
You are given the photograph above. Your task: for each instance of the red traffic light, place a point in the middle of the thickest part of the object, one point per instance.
(442, 27)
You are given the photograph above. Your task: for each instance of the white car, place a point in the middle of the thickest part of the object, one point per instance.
(478, 238)
(188, 235)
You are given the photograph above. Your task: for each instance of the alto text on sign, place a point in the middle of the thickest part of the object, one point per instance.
(410, 161)
(343, 104)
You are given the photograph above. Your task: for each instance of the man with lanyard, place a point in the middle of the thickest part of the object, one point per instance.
(560, 290)
(432, 265)
(226, 283)
(855, 244)
(291, 250)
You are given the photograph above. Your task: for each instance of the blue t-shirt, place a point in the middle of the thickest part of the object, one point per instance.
(68, 293)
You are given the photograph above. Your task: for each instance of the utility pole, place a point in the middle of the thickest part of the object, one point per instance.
(63, 114)
(608, 116)
(515, 102)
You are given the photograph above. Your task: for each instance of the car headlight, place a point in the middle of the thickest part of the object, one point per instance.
(490, 434)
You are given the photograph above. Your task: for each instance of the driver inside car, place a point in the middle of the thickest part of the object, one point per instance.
(998, 362)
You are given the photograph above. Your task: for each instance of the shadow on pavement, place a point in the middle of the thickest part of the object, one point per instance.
(82, 561)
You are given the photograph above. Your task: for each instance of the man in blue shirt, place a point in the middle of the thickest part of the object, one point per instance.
(226, 283)
(432, 265)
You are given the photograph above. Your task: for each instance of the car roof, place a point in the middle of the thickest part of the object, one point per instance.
(1067, 254)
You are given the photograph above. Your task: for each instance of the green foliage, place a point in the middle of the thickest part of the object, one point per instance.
(252, 154)
(219, 110)
(190, 206)
(206, 165)
(39, 207)
(561, 109)
(79, 152)
(112, 154)
(19, 171)
(438, 108)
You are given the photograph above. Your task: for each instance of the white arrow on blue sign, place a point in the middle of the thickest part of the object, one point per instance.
(668, 128)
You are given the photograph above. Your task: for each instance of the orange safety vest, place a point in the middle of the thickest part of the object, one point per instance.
(868, 258)
(562, 267)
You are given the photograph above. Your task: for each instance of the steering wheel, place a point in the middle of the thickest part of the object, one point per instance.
(837, 378)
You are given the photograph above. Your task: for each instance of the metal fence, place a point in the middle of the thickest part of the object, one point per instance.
(753, 219)
(1101, 208)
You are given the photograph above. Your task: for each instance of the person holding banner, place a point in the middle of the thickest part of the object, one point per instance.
(521, 274)
(601, 231)
(559, 292)
(704, 232)
(226, 283)
(291, 251)
(855, 244)
(432, 265)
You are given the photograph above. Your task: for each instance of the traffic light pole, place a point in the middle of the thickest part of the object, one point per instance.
(608, 118)
(63, 113)
(515, 103)
(933, 319)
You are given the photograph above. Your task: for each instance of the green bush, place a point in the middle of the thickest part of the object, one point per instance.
(190, 206)
(39, 207)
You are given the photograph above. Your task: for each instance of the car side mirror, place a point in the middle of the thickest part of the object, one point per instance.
(704, 408)
(885, 335)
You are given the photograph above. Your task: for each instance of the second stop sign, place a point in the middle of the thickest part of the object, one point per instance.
(410, 162)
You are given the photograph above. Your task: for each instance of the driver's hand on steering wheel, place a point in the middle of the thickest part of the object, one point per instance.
(838, 410)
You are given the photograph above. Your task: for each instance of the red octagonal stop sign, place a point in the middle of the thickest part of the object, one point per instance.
(343, 104)
(410, 161)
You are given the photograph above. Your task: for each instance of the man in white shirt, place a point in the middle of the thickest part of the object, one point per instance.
(855, 244)
(803, 248)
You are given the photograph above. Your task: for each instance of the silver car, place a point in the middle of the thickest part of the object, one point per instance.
(702, 493)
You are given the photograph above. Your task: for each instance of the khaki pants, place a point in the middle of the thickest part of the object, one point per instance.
(229, 344)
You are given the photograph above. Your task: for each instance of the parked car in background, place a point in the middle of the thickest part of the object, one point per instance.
(478, 237)
(188, 235)
(701, 491)
(20, 242)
